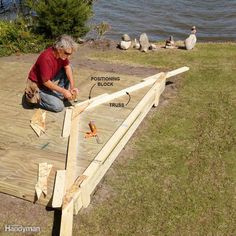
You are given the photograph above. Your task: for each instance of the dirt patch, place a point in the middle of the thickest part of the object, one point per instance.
(80, 60)
(104, 45)
(15, 211)
(117, 68)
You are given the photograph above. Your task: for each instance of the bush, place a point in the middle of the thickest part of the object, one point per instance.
(101, 29)
(57, 17)
(15, 38)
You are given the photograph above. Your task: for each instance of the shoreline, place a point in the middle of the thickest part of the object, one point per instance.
(111, 45)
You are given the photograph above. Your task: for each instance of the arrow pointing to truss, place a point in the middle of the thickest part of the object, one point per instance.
(129, 98)
(90, 92)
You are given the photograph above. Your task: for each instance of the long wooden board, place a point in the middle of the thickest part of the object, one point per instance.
(81, 194)
(144, 105)
(146, 82)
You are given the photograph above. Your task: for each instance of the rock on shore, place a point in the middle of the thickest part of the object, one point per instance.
(191, 40)
(125, 42)
(144, 42)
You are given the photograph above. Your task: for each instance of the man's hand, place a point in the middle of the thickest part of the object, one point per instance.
(74, 91)
(53, 87)
(67, 94)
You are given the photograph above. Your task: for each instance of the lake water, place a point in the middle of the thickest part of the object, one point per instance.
(215, 19)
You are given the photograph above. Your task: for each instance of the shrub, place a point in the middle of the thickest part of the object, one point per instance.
(15, 38)
(56, 17)
(101, 29)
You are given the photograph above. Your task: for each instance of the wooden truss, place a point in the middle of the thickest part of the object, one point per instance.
(73, 191)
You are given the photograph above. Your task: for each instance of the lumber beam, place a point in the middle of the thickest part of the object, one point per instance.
(123, 92)
(67, 123)
(96, 178)
(72, 154)
(170, 73)
(159, 90)
(129, 120)
(90, 100)
(77, 198)
(72, 193)
(74, 111)
(71, 204)
(177, 71)
(78, 192)
(67, 219)
(71, 199)
(144, 105)
(146, 82)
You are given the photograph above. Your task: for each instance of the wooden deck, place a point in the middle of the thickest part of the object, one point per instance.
(83, 161)
(21, 150)
(108, 120)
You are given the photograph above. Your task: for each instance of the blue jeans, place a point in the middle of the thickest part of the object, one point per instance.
(52, 100)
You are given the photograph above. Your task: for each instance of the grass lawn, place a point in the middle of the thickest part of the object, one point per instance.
(180, 178)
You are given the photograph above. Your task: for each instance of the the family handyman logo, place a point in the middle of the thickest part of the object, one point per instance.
(21, 228)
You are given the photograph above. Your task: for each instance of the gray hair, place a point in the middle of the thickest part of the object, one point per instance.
(65, 41)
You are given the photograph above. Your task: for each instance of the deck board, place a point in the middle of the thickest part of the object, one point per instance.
(107, 120)
(21, 150)
(19, 171)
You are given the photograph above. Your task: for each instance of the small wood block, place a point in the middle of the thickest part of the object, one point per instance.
(41, 186)
(59, 189)
(73, 192)
(36, 129)
(37, 122)
(77, 202)
(85, 193)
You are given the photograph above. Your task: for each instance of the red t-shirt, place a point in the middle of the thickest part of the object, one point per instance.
(46, 67)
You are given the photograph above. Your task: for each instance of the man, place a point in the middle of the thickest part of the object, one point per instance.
(50, 80)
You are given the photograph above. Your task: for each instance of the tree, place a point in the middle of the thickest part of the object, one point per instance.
(55, 17)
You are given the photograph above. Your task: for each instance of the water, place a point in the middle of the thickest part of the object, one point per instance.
(215, 19)
(9, 9)
(8, 5)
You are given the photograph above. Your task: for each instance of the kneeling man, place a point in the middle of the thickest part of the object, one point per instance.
(50, 80)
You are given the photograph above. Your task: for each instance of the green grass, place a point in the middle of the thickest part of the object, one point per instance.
(181, 177)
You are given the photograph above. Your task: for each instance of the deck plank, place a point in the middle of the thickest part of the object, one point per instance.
(19, 171)
(21, 150)
(107, 120)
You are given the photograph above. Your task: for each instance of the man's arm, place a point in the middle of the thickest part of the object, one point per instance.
(69, 75)
(66, 93)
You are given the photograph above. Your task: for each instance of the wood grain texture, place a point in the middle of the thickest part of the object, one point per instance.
(67, 220)
(19, 172)
(21, 150)
(59, 189)
(111, 149)
(67, 123)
